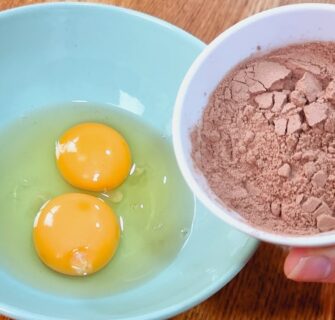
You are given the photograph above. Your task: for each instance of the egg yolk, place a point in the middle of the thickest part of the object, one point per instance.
(93, 156)
(76, 234)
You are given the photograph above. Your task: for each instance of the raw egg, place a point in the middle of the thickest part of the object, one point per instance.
(93, 156)
(76, 234)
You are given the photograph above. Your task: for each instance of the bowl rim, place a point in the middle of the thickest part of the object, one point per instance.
(26, 8)
(251, 244)
(184, 165)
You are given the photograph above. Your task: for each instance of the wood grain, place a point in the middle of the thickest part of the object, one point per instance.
(260, 291)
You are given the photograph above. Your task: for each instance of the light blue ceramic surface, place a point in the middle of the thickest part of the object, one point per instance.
(57, 53)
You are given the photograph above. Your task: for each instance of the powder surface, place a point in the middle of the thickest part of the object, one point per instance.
(266, 140)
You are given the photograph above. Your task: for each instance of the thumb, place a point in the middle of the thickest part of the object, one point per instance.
(311, 264)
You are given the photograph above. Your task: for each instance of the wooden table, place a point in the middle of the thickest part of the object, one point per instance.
(260, 291)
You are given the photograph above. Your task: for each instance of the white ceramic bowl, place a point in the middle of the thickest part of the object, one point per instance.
(269, 29)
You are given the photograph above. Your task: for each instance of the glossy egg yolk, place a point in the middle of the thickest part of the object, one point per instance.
(93, 156)
(76, 234)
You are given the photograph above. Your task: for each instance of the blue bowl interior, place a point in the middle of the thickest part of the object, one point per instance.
(57, 53)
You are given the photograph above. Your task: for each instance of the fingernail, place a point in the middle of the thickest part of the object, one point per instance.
(313, 268)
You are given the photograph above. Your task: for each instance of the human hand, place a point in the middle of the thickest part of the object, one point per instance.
(311, 264)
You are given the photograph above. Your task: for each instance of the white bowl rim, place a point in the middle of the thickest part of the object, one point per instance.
(276, 238)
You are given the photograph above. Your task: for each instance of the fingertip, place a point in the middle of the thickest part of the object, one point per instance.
(309, 266)
(292, 261)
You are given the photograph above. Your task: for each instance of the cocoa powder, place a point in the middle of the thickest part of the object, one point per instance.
(266, 140)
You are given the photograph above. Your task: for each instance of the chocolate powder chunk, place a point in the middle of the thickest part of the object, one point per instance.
(325, 222)
(315, 113)
(266, 141)
(309, 85)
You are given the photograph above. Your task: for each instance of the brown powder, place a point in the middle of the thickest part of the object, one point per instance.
(266, 141)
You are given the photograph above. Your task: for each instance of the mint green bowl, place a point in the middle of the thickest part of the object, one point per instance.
(64, 52)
